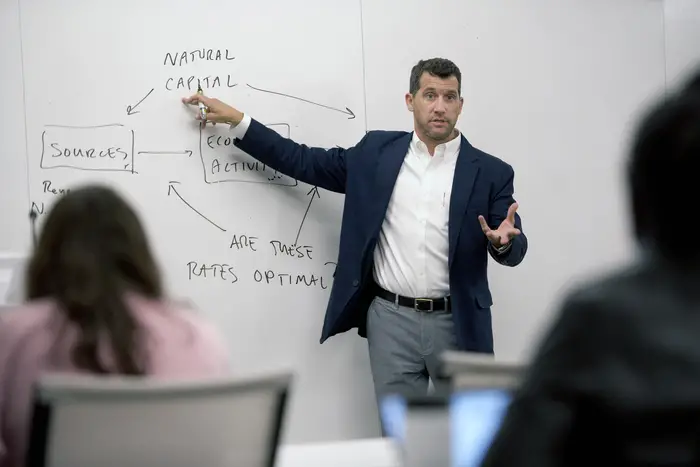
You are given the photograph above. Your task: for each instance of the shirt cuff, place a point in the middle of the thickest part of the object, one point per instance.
(240, 130)
(502, 249)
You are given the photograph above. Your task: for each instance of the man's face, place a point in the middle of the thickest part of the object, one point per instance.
(436, 107)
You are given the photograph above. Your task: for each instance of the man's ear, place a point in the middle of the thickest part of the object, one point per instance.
(409, 101)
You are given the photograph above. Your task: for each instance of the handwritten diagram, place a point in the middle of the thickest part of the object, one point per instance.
(107, 148)
(115, 148)
(224, 162)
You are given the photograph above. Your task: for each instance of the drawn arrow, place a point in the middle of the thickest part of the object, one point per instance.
(186, 152)
(347, 111)
(171, 189)
(130, 109)
(314, 194)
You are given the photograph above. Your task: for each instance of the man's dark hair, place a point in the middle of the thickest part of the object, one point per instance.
(663, 175)
(440, 67)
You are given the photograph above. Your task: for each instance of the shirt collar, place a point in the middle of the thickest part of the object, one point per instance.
(450, 148)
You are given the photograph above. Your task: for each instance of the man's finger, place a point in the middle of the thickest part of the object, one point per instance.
(195, 99)
(484, 226)
(510, 234)
(511, 213)
(209, 116)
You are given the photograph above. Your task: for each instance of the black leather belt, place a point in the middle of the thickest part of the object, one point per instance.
(419, 304)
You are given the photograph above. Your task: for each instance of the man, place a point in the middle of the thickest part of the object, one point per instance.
(422, 209)
(617, 379)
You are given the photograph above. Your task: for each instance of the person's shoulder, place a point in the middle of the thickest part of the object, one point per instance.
(617, 291)
(24, 324)
(208, 342)
(179, 324)
(204, 326)
(634, 308)
(166, 311)
(381, 137)
(16, 319)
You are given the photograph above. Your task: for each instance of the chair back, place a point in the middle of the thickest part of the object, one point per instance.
(82, 421)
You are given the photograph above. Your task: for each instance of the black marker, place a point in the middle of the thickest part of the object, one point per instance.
(202, 108)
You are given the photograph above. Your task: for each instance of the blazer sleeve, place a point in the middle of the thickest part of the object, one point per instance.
(537, 422)
(497, 214)
(325, 168)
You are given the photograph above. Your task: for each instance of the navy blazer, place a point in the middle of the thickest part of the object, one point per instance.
(366, 173)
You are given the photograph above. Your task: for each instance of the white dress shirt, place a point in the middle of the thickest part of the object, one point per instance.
(411, 254)
(240, 130)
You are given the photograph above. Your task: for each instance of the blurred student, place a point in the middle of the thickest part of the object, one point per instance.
(617, 379)
(95, 305)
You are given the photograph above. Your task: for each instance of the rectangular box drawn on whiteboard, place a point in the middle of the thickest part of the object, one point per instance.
(103, 148)
(224, 162)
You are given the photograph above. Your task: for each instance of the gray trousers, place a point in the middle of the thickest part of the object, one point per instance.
(405, 346)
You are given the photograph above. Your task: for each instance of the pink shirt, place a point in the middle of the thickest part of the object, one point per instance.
(35, 338)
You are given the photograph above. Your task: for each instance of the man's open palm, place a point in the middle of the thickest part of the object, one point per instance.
(505, 232)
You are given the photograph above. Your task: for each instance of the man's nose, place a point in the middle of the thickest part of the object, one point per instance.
(440, 105)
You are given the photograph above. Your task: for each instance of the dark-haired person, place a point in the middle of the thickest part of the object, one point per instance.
(95, 305)
(423, 210)
(616, 380)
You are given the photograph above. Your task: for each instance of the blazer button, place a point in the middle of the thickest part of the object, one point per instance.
(355, 283)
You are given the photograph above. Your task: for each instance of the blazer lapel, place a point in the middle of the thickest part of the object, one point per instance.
(388, 167)
(466, 170)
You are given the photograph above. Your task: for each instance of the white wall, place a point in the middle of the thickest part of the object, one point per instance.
(11, 278)
(14, 207)
(551, 87)
(682, 27)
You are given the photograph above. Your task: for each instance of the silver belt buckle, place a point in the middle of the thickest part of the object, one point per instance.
(423, 300)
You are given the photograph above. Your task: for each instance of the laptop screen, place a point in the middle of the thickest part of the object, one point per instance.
(392, 412)
(474, 418)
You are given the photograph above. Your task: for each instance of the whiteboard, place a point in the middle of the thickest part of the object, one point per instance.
(550, 86)
(103, 83)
